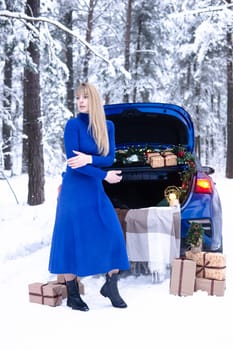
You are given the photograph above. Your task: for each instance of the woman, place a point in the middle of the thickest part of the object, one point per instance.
(87, 237)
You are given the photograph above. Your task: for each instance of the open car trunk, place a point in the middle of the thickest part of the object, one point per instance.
(142, 187)
(140, 128)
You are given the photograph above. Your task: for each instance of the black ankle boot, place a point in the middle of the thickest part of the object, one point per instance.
(110, 290)
(73, 297)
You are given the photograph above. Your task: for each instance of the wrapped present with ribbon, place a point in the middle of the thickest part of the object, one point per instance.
(61, 280)
(170, 159)
(182, 277)
(212, 287)
(45, 293)
(63, 288)
(209, 264)
(155, 159)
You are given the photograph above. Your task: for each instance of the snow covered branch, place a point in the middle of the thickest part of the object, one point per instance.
(23, 17)
(209, 9)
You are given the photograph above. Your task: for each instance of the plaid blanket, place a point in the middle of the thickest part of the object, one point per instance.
(153, 236)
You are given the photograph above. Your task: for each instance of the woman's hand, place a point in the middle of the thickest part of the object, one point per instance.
(81, 159)
(113, 176)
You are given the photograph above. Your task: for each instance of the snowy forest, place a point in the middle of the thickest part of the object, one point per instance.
(174, 51)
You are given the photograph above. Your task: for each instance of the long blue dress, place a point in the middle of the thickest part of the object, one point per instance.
(87, 237)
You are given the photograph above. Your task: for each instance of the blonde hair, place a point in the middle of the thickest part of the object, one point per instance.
(97, 119)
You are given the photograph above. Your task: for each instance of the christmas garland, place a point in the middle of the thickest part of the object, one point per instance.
(187, 159)
(138, 155)
(131, 154)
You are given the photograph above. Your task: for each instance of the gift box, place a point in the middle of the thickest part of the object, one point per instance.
(212, 287)
(182, 280)
(156, 160)
(45, 293)
(190, 255)
(209, 265)
(61, 280)
(170, 159)
(63, 288)
(151, 154)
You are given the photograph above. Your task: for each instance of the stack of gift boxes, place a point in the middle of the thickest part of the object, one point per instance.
(205, 271)
(161, 159)
(51, 293)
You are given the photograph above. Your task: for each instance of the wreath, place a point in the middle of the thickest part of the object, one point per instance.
(195, 234)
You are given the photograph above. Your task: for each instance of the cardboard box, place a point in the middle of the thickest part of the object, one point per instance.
(212, 287)
(209, 265)
(156, 160)
(182, 277)
(45, 293)
(151, 154)
(170, 159)
(63, 288)
(61, 280)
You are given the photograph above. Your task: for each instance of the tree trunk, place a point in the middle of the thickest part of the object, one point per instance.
(68, 19)
(139, 34)
(6, 128)
(88, 39)
(198, 146)
(32, 118)
(229, 158)
(127, 45)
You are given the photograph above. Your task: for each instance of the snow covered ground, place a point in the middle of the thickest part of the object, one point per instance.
(154, 318)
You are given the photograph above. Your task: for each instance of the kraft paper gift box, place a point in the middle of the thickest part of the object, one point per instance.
(63, 288)
(209, 265)
(182, 280)
(212, 287)
(45, 293)
(170, 159)
(156, 160)
(61, 280)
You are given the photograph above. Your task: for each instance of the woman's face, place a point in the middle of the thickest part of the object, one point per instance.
(82, 101)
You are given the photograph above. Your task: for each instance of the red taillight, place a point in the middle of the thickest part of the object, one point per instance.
(203, 186)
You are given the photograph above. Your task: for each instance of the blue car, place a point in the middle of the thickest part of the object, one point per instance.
(158, 131)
